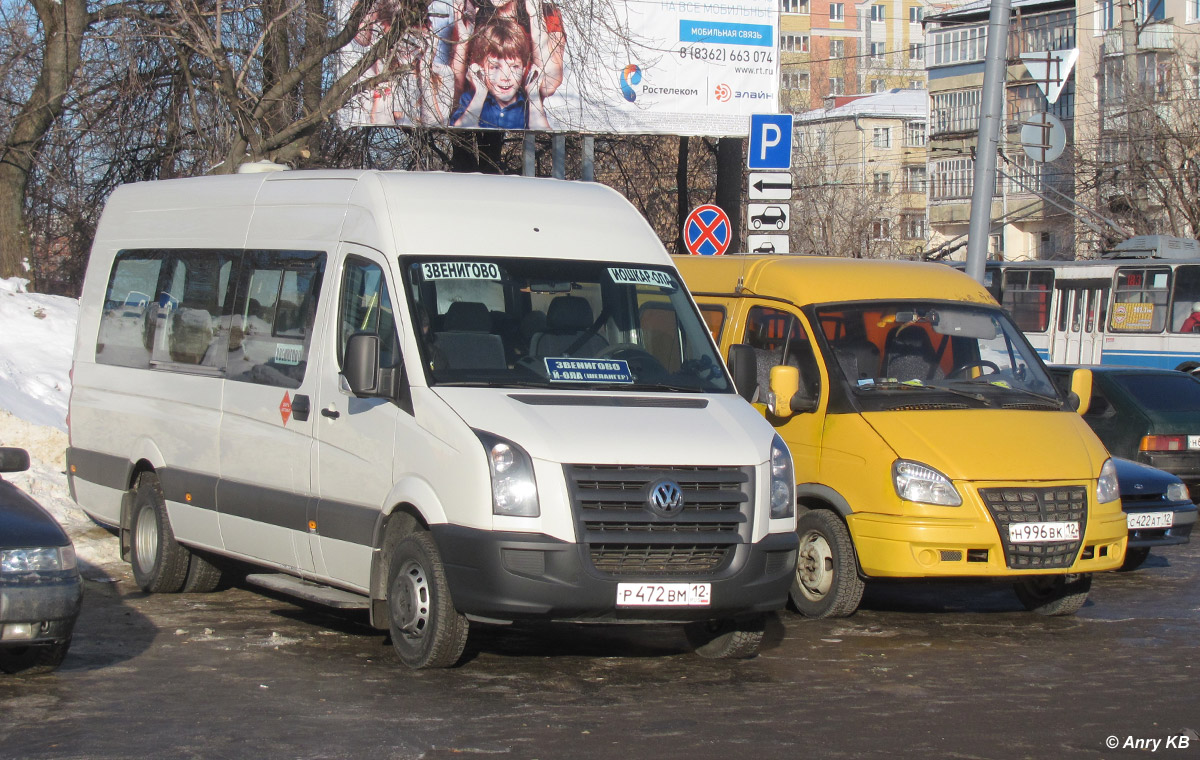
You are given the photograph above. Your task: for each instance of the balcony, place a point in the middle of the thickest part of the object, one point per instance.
(1157, 36)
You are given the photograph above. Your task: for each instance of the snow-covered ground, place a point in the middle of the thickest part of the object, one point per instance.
(37, 335)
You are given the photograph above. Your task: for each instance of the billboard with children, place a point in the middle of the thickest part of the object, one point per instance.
(603, 66)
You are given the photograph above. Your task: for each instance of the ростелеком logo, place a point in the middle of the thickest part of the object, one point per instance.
(631, 77)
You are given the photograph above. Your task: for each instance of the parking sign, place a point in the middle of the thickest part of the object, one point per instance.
(770, 141)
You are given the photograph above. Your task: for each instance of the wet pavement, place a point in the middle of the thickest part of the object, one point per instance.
(937, 671)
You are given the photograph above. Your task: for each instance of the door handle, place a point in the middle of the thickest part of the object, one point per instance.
(331, 413)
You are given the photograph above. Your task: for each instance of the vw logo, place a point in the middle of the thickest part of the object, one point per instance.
(666, 499)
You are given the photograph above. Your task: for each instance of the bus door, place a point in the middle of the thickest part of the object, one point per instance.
(1082, 305)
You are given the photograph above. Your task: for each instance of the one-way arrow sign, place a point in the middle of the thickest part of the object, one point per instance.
(775, 186)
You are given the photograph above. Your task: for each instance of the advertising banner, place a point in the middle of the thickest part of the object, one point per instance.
(605, 66)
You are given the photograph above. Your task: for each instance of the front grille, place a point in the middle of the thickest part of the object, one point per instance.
(1055, 504)
(624, 537)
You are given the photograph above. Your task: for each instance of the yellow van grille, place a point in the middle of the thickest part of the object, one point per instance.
(1054, 504)
(627, 535)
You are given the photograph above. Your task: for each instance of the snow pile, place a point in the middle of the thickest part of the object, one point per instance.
(37, 334)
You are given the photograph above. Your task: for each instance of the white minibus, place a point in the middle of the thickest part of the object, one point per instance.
(448, 399)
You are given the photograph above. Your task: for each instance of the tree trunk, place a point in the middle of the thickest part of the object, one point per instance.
(63, 24)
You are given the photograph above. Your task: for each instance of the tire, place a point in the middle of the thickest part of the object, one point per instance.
(1188, 367)
(427, 632)
(203, 577)
(757, 223)
(34, 659)
(160, 564)
(726, 639)
(826, 583)
(1134, 558)
(1054, 595)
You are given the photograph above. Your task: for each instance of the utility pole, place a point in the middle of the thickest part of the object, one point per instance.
(991, 119)
(1129, 93)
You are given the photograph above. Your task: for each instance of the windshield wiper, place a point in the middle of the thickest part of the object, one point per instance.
(898, 385)
(1040, 396)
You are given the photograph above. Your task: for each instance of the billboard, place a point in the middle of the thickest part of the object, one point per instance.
(601, 66)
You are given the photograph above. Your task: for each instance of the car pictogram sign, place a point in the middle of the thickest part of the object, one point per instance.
(706, 231)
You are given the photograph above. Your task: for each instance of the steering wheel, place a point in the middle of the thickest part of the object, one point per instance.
(642, 362)
(961, 372)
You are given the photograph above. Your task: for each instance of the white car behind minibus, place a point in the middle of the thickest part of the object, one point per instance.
(449, 399)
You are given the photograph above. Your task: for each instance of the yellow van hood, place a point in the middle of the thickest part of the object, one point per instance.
(993, 444)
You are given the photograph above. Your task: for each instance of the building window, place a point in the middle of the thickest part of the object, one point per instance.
(795, 80)
(915, 14)
(955, 111)
(1193, 11)
(882, 137)
(837, 11)
(837, 86)
(914, 226)
(1106, 15)
(916, 84)
(878, 12)
(794, 43)
(916, 51)
(878, 85)
(914, 134)
(882, 184)
(1151, 10)
(959, 45)
(837, 48)
(877, 51)
(915, 179)
(881, 229)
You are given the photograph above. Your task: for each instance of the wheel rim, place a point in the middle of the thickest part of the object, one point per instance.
(411, 600)
(146, 540)
(814, 568)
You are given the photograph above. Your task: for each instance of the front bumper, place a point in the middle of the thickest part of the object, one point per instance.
(1178, 533)
(891, 546)
(48, 604)
(509, 576)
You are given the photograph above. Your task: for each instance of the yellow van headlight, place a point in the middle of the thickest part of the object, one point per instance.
(923, 484)
(1107, 488)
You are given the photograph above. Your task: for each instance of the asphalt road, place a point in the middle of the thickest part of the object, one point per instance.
(934, 671)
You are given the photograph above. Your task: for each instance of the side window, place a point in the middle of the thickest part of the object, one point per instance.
(714, 318)
(274, 316)
(1185, 312)
(1140, 299)
(1026, 295)
(167, 309)
(777, 337)
(365, 306)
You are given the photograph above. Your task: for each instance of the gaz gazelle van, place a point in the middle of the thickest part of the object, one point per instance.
(329, 375)
(929, 440)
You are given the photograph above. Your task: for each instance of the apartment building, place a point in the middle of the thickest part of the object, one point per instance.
(1029, 220)
(860, 167)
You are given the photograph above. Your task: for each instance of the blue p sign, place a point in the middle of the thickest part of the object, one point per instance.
(770, 142)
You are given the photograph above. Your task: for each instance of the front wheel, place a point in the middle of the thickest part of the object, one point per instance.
(33, 659)
(726, 639)
(160, 564)
(1054, 594)
(427, 632)
(827, 583)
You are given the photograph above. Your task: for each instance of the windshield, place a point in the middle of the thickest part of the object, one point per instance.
(559, 323)
(974, 354)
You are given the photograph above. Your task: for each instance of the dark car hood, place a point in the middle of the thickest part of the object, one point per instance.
(23, 522)
(1152, 479)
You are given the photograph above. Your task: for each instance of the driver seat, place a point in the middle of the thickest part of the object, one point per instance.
(568, 319)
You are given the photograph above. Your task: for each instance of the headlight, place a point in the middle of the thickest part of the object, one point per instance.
(783, 481)
(514, 490)
(39, 560)
(1107, 488)
(1178, 492)
(923, 484)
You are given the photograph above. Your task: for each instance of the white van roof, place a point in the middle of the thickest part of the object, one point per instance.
(397, 212)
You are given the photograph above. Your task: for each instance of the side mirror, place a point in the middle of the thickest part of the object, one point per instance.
(13, 459)
(1081, 388)
(360, 365)
(785, 386)
(744, 368)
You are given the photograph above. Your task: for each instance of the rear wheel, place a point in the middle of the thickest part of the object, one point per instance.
(30, 660)
(726, 639)
(827, 583)
(1054, 594)
(160, 564)
(203, 576)
(427, 632)
(1134, 558)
